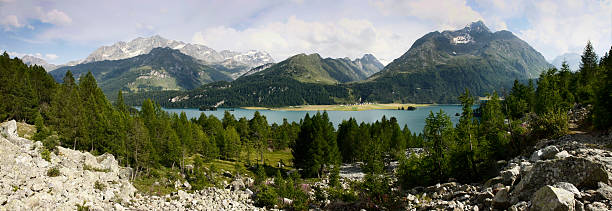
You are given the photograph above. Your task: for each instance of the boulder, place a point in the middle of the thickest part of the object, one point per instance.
(501, 199)
(597, 206)
(562, 154)
(581, 171)
(249, 181)
(521, 206)
(237, 185)
(107, 161)
(8, 130)
(604, 191)
(544, 154)
(568, 187)
(493, 181)
(187, 185)
(510, 175)
(553, 199)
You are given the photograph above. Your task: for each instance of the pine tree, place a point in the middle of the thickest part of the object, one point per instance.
(232, 140)
(602, 109)
(438, 135)
(259, 130)
(588, 74)
(347, 136)
(588, 64)
(466, 136)
(492, 127)
(120, 105)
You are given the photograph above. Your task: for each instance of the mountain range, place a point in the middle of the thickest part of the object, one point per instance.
(32, 60)
(315, 69)
(572, 59)
(166, 69)
(236, 62)
(437, 68)
(160, 69)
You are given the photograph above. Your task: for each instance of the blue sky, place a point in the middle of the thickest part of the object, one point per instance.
(62, 31)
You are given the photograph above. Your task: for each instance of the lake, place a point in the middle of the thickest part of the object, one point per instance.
(415, 120)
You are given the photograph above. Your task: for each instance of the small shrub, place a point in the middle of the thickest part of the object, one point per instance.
(53, 172)
(550, 125)
(15, 188)
(267, 197)
(82, 207)
(239, 169)
(100, 186)
(45, 154)
(260, 174)
(51, 142)
(342, 195)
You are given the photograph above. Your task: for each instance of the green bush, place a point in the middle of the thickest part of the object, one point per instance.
(550, 125)
(51, 142)
(45, 154)
(267, 197)
(53, 172)
(100, 186)
(82, 207)
(338, 194)
(260, 174)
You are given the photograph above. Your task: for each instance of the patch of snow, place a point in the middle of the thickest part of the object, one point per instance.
(462, 39)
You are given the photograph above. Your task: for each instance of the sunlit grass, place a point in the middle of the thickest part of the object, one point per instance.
(362, 107)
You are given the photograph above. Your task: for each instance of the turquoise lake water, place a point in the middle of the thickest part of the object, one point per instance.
(415, 120)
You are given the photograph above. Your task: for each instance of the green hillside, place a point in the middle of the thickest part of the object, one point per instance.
(161, 69)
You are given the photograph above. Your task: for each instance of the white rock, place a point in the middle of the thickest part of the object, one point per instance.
(551, 198)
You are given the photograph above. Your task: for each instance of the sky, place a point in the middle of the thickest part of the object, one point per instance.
(66, 30)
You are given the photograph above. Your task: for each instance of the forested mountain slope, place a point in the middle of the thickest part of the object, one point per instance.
(160, 69)
(440, 65)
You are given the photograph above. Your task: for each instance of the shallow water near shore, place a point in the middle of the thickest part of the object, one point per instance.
(415, 120)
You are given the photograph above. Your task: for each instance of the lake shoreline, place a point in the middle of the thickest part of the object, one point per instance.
(360, 107)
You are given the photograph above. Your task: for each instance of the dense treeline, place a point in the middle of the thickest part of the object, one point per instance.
(78, 116)
(469, 151)
(256, 90)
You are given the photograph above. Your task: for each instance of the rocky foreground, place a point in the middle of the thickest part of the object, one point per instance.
(73, 179)
(570, 173)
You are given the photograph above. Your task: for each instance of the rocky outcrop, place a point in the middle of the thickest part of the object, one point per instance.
(550, 198)
(70, 178)
(573, 172)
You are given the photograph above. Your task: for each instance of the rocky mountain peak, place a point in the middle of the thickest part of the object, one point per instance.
(477, 26)
(32, 60)
(143, 45)
(368, 57)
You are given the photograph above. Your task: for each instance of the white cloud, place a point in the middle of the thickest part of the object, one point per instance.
(342, 38)
(558, 27)
(445, 14)
(47, 57)
(386, 28)
(10, 21)
(51, 57)
(53, 17)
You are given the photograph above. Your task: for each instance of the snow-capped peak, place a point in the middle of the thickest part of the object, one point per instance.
(140, 45)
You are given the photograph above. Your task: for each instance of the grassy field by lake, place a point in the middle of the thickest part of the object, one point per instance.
(358, 107)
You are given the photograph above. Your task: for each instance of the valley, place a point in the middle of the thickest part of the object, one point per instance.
(306, 105)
